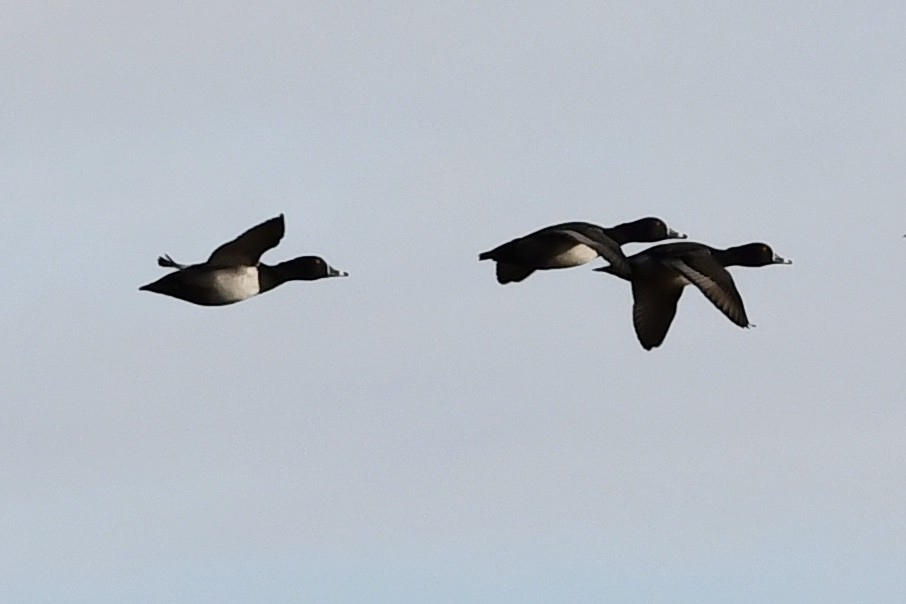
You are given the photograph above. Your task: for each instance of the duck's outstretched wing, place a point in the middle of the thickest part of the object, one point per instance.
(512, 273)
(247, 249)
(707, 274)
(653, 310)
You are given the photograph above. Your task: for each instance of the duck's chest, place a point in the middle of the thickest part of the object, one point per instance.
(235, 283)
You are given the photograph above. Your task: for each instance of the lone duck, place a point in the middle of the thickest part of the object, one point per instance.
(573, 244)
(659, 274)
(233, 273)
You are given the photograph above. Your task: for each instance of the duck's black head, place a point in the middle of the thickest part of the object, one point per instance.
(307, 268)
(754, 254)
(644, 230)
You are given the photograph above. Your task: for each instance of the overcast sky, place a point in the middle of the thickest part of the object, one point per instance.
(417, 432)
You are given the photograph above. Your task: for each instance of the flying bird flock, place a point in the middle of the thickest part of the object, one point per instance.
(658, 274)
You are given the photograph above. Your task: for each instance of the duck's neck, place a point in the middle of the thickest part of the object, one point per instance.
(270, 276)
(732, 256)
(620, 233)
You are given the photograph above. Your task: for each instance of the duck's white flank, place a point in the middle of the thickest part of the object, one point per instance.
(574, 256)
(237, 283)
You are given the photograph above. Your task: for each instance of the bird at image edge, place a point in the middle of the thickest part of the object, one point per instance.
(233, 272)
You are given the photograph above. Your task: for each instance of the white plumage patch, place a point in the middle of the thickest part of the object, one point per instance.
(577, 255)
(236, 284)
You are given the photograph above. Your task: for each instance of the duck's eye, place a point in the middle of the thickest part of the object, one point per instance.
(317, 261)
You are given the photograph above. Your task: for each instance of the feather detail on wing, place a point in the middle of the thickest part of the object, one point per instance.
(709, 276)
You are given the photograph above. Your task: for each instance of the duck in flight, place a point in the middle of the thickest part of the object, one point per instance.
(659, 274)
(573, 244)
(233, 272)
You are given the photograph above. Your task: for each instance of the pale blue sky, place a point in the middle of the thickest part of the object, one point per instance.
(417, 432)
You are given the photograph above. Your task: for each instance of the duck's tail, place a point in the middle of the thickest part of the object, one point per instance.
(167, 262)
